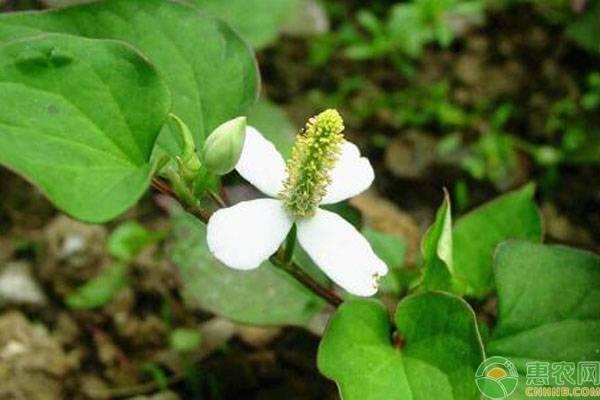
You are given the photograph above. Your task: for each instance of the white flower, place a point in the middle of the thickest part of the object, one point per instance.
(245, 235)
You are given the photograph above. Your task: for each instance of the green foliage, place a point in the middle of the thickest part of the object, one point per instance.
(264, 296)
(440, 353)
(392, 250)
(184, 340)
(100, 290)
(548, 304)
(258, 21)
(437, 250)
(570, 124)
(492, 157)
(409, 27)
(92, 162)
(129, 239)
(211, 81)
(274, 124)
(476, 235)
(585, 30)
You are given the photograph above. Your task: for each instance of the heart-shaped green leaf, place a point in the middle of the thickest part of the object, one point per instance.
(210, 71)
(476, 235)
(440, 353)
(80, 117)
(548, 305)
(264, 296)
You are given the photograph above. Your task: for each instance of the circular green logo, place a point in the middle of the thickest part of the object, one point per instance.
(496, 378)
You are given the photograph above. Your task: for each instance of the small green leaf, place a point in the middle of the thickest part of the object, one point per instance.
(441, 351)
(476, 234)
(100, 290)
(437, 250)
(129, 239)
(264, 296)
(80, 117)
(184, 340)
(158, 375)
(548, 305)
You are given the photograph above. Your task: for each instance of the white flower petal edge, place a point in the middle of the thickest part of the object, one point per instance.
(341, 252)
(246, 234)
(351, 175)
(261, 164)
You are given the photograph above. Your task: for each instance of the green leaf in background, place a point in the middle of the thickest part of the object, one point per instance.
(392, 250)
(80, 117)
(100, 290)
(585, 30)
(441, 352)
(258, 21)
(548, 305)
(185, 340)
(264, 296)
(476, 235)
(210, 71)
(65, 3)
(437, 250)
(274, 124)
(129, 239)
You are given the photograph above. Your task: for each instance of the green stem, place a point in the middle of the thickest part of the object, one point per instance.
(307, 280)
(282, 259)
(181, 190)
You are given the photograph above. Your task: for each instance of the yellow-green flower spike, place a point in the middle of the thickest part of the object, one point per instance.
(314, 154)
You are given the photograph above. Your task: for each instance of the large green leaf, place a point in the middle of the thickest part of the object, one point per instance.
(548, 305)
(476, 235)
(209, 69)
(264, 296)
(80, 117)
(441, 351)
(258, 21)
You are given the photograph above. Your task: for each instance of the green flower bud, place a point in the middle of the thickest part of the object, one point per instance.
(223, 148)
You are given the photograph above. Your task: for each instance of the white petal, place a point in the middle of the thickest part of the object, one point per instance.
(351, 175)
(261, 164)
(341, 252)
(245, 235)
